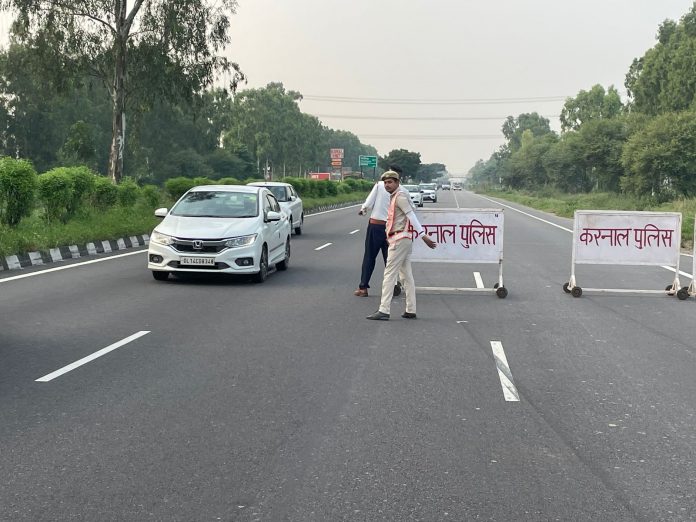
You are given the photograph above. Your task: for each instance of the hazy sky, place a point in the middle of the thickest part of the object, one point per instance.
(440, 51)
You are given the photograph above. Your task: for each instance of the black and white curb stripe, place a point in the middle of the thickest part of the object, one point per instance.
(16, 262)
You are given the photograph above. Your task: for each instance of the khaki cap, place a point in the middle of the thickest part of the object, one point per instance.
(390, 174)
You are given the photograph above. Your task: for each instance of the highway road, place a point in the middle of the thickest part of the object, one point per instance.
(220, 399)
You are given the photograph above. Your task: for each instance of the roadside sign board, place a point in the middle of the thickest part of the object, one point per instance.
(336, 163)
(368, 161)
(336, 154)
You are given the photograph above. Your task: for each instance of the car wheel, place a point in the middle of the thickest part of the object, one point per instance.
(298, 229)
(159, 275)
(262, 274)
(285, 263)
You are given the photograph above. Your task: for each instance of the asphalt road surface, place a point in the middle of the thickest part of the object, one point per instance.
(220, 399)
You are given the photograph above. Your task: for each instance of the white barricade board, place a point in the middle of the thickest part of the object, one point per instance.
(467, 235)
(626, 237)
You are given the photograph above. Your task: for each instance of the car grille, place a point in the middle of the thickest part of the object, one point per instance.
(199, 247)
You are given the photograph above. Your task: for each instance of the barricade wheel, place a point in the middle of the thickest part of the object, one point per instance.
(668, 288)
(495, 285)
(501, 292)
(565, 288)
(683, 293)
(576, 291)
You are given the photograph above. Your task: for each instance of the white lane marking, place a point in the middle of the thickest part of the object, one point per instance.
(568, 229)
(355, 231)
(333, 210)
(479, 281)
(526, 214)
(74, 265)
(322, 247)
(85, 360)
(509, 391)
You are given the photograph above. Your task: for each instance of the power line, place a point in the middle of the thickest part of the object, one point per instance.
(412, 101)
(420, 118)
(432, 136)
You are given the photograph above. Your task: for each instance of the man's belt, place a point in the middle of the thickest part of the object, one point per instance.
(377, 221)
(394, 232)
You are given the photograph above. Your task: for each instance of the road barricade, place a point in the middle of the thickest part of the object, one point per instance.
(685, 292)
(615, 237)
(470, 235)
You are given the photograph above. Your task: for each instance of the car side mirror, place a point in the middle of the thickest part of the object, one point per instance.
(161, 212)
(293, 198)
(272, 216)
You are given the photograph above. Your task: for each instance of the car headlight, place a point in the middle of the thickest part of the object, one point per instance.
(241, 241)
(161, 239)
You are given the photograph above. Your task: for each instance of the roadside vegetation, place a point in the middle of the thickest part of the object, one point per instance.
(74, 205)
(564, 204)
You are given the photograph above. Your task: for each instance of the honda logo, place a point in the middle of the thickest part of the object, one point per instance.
(198, 244)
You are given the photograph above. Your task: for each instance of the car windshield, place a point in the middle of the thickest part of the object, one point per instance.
(279, 192)
(428, 186)
(412, 188)
(217, 204)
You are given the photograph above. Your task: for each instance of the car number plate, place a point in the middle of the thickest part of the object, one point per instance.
(207, 261)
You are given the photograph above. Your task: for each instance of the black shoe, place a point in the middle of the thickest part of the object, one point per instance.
(397, 289)
(408, 315)
(378, 316)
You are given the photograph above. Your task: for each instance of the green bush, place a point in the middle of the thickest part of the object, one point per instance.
(105, 193)
(56, 192)
(82, 185)
(230, 181)
(151, 195)
(176, 187)
(128, 192)
(18, 181)
(331, 187)
(203, 181)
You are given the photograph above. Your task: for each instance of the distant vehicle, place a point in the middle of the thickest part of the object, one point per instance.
(446, 186)
(416, 194)
(231, 229)
(456, 185)
(289, 200)
(429, 191)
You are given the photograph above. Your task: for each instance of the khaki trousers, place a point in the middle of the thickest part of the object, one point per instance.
(398, 264)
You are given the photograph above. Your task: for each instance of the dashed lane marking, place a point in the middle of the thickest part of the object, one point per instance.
(509, 390)
(95, 355)
(322, 247)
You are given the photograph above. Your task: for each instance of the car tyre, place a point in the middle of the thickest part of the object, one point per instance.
(298, 229)
(159, 275)
(262, 274)
(285, 263)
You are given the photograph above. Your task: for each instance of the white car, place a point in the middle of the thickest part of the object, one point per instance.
(229, 229)
(416, 194)
(429, 191)
(289, 201)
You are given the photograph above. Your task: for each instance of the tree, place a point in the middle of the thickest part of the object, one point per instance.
(157, 49)
(590, 105)
(513, 128)
(429, 171)
(664, 78)
(407, 160)
(660, 159)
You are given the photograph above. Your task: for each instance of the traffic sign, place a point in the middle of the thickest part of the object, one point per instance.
(368, 161)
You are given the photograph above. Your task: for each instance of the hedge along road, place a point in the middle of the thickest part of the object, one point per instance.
(280, 401)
